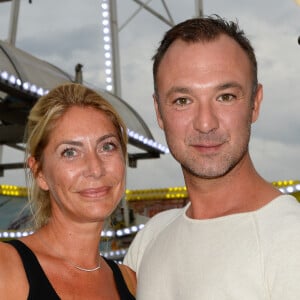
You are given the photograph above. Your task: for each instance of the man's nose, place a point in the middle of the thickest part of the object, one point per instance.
(205, 117)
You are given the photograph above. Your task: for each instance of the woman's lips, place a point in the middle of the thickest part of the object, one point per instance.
(94, 192)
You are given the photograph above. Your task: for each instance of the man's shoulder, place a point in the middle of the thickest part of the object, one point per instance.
(283, 205)
(280, 219)
(157, 224)
(153, 228)
(164, 218)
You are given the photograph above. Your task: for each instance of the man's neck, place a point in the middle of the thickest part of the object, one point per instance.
(241, 190)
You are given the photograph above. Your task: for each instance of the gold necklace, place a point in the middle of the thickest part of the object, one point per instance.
(84, 269)
(70, 263)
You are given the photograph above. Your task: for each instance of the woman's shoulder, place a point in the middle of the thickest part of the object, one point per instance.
(13, 282)
(129, 277)
(8, 256)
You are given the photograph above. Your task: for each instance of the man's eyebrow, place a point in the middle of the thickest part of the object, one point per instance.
(178, 89)
(232, 84)
(187, 90)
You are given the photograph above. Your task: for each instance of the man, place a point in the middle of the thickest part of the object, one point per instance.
(238, 238)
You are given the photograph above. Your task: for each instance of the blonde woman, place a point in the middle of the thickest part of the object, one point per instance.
(76, 154)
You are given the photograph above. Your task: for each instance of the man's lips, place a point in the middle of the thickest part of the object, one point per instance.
(207, 147)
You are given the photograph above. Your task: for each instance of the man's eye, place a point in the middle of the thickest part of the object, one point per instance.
(182, 101)
(69, 152)
(226, 98)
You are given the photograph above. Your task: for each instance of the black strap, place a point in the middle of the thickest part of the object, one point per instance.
(39, 285)
(120, 282)
(41, 288)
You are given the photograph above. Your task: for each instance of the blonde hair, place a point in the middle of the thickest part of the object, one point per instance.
(41, 122)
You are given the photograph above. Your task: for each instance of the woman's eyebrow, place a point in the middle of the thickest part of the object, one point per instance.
(106, 136)
(80, 144)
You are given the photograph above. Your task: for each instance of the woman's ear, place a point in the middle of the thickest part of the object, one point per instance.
(37, 173)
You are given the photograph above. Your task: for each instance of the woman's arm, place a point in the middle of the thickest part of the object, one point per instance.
(129, 277)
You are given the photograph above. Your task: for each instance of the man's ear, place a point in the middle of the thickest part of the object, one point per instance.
(37, 173)
(157, 111)
(257, 102)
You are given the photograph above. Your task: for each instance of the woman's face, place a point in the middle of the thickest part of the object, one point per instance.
(83, 166)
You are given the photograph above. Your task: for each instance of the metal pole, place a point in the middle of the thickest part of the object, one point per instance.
(115, 48)
(14, 15)
(117, 75)
(199, 8)
(1, 156)
(152, 11)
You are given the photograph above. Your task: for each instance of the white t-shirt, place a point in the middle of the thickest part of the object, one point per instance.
(253, 255)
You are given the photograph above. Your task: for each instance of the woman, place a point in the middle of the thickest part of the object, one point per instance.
(76, 154)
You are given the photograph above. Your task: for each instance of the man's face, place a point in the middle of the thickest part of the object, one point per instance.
(204, 105)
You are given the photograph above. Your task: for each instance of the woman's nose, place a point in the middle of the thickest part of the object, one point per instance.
(94, 166)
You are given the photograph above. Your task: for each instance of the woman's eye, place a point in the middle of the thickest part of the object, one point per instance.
(108, 147)
(69, 152)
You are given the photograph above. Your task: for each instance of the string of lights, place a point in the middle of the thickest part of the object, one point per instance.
(36, 91)
(7, 234)
(17, 83)
(107, 44)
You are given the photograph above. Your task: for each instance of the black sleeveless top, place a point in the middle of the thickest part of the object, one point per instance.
(41, 288)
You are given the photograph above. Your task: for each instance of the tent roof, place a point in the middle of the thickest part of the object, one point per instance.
(43, 74)
(23, 77)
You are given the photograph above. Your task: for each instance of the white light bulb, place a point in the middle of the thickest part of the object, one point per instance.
(4, 75)
(106, 39)
(26, 86)
(104, 6)
(107, 71)
(12, 79)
